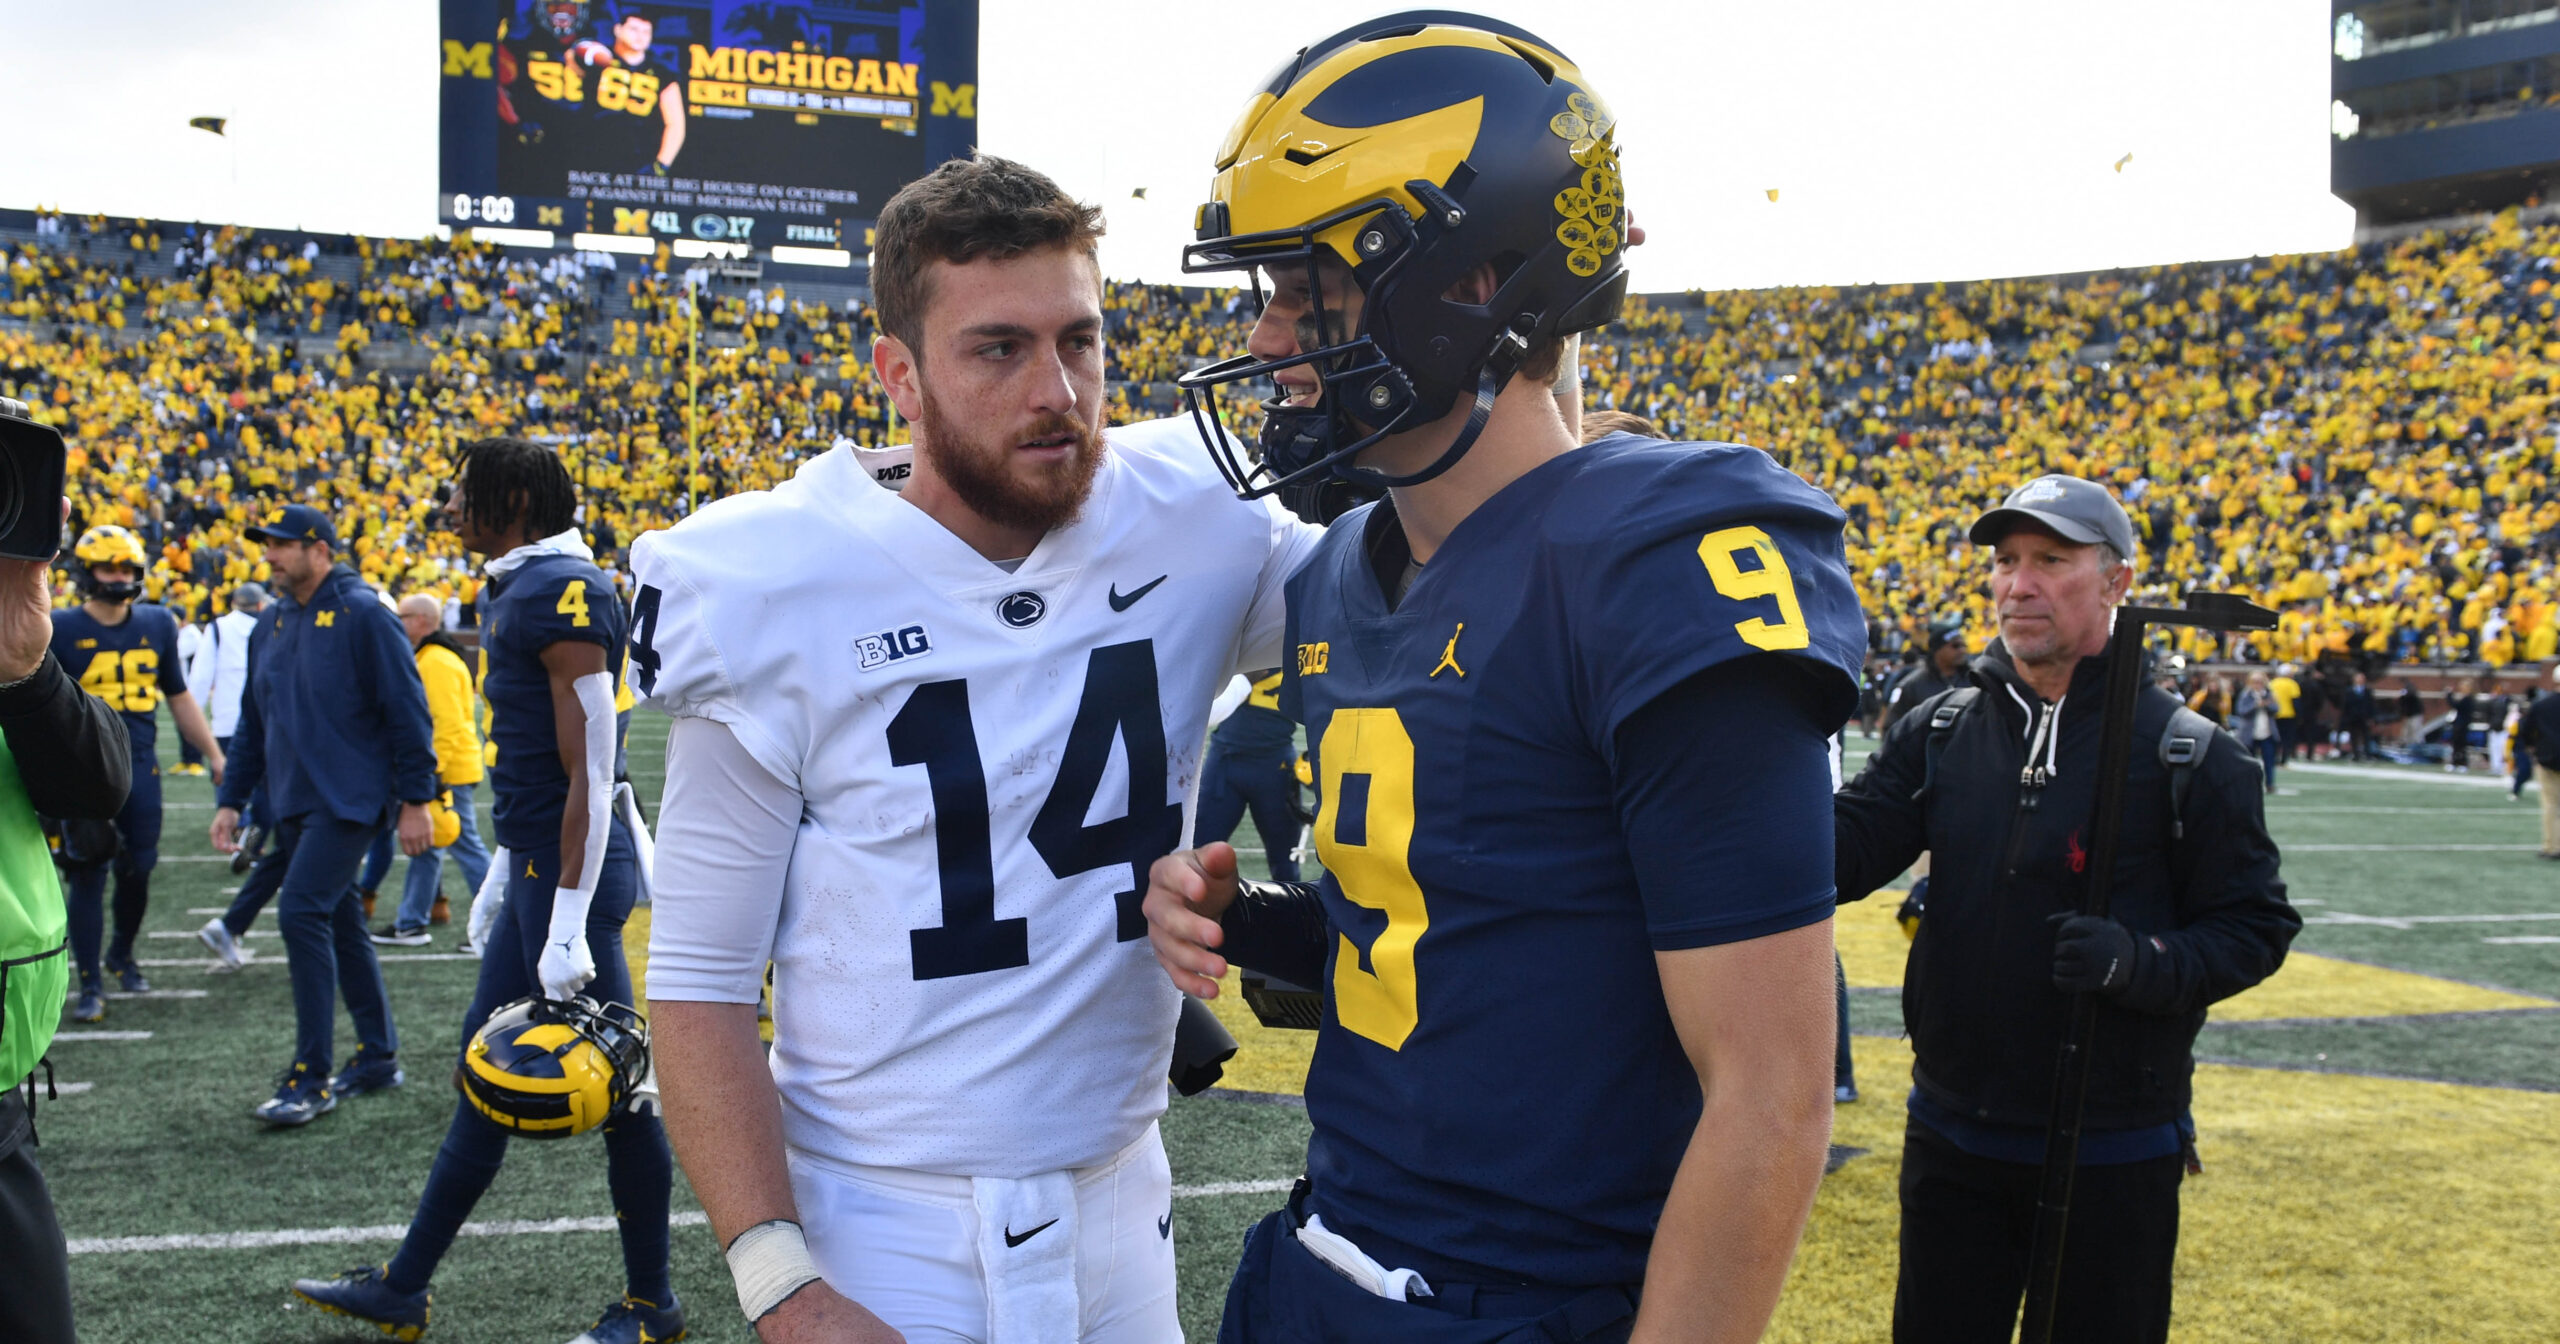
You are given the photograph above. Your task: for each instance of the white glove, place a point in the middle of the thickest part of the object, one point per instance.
(566, 965)
(491, 899)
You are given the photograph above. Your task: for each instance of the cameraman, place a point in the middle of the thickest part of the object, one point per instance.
(2002, 791)
(87, 769)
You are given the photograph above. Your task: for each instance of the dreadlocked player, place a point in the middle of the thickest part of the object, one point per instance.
(549, 918)
(125, 652)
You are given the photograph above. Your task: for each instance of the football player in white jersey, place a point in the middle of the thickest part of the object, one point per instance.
(926, 745)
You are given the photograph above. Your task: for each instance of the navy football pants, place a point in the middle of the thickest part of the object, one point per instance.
(137, 853)
(1267, 785)
(1282, 1294)
(639, 1171)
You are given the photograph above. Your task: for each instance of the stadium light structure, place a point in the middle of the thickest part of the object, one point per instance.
(615, 242)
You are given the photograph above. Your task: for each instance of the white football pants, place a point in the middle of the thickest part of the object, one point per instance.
(907, 1246)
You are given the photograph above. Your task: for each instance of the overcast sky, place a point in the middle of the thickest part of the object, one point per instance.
(1907, 139)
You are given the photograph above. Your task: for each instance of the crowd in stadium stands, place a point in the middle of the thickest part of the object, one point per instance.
(2357, 438)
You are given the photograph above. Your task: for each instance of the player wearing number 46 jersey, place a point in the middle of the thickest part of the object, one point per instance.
(1568, 711)
(124, 651)
(926, 745)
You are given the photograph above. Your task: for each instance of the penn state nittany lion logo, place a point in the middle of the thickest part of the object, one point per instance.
(1022, 610)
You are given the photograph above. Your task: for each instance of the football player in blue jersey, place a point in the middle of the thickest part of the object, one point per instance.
(123, 651)
(1569, 711)
(561, 883)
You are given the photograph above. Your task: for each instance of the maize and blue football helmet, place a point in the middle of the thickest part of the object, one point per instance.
(108, 544)
(554, 1068)
(1413, 149)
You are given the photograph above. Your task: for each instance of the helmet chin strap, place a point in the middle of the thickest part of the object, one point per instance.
(1489, 385)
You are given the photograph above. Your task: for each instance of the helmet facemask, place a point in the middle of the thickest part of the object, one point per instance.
(1307, 452)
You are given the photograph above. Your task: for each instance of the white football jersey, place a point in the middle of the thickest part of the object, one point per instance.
(987, 764)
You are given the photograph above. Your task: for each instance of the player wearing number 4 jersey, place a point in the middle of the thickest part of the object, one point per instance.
(1568, 711)
(926, 745)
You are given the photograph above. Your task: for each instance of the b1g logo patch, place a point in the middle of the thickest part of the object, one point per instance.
(890, 646)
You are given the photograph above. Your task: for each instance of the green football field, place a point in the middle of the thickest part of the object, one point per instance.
(2380, 1123)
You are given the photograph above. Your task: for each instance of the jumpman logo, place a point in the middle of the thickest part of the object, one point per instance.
(1449, 656)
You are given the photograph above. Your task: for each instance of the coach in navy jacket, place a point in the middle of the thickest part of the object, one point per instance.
(334, 719)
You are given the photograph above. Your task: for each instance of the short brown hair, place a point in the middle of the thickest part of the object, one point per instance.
(1601, 424)
(981, 206)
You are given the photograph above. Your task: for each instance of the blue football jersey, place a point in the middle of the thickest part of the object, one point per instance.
(539, 603)
(132, 665)
(1498, 1094)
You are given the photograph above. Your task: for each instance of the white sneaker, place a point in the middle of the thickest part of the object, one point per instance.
(228, 953)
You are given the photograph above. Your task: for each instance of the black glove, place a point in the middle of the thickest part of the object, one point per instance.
(2093, 954)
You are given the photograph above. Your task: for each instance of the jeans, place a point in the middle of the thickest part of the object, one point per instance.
(426, 871)
(325, 944)
(2269, 750)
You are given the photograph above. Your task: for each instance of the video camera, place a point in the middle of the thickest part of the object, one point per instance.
(32, 460)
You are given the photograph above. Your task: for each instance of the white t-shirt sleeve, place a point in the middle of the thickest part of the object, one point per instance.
(1292, 541)
(725, 834)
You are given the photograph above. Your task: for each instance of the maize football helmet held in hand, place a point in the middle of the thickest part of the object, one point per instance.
(552, 1068)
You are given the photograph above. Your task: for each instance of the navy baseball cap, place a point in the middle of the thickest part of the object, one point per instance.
(296, 522)
(2078, 511)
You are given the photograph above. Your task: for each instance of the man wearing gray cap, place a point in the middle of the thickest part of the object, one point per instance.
(1996, 778)
(216, 674)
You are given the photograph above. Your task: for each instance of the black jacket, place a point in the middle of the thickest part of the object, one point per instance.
(72, 751)
(1978, 996)
(2540, 731)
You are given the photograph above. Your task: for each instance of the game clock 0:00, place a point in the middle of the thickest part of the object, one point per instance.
(487, 209)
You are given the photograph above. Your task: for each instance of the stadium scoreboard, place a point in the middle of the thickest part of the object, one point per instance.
(732, 122)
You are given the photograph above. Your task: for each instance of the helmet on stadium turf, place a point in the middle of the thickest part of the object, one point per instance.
(1413, 150)
(551, 1068)
(108, 544)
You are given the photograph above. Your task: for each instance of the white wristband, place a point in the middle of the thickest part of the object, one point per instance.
(770, 1262)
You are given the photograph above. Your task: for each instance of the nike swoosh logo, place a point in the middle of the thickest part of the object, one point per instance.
(1011, 1240)
(1120, 603)
(1164, 1225)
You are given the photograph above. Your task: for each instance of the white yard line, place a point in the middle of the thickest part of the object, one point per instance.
(2383, 849)
(2406, 922)
(102, 1035)
(2370, 775)
(118, 994)
(190, 933)
(339, 1236)
(2523, 940)
(71, 1089)
(2520, 814)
